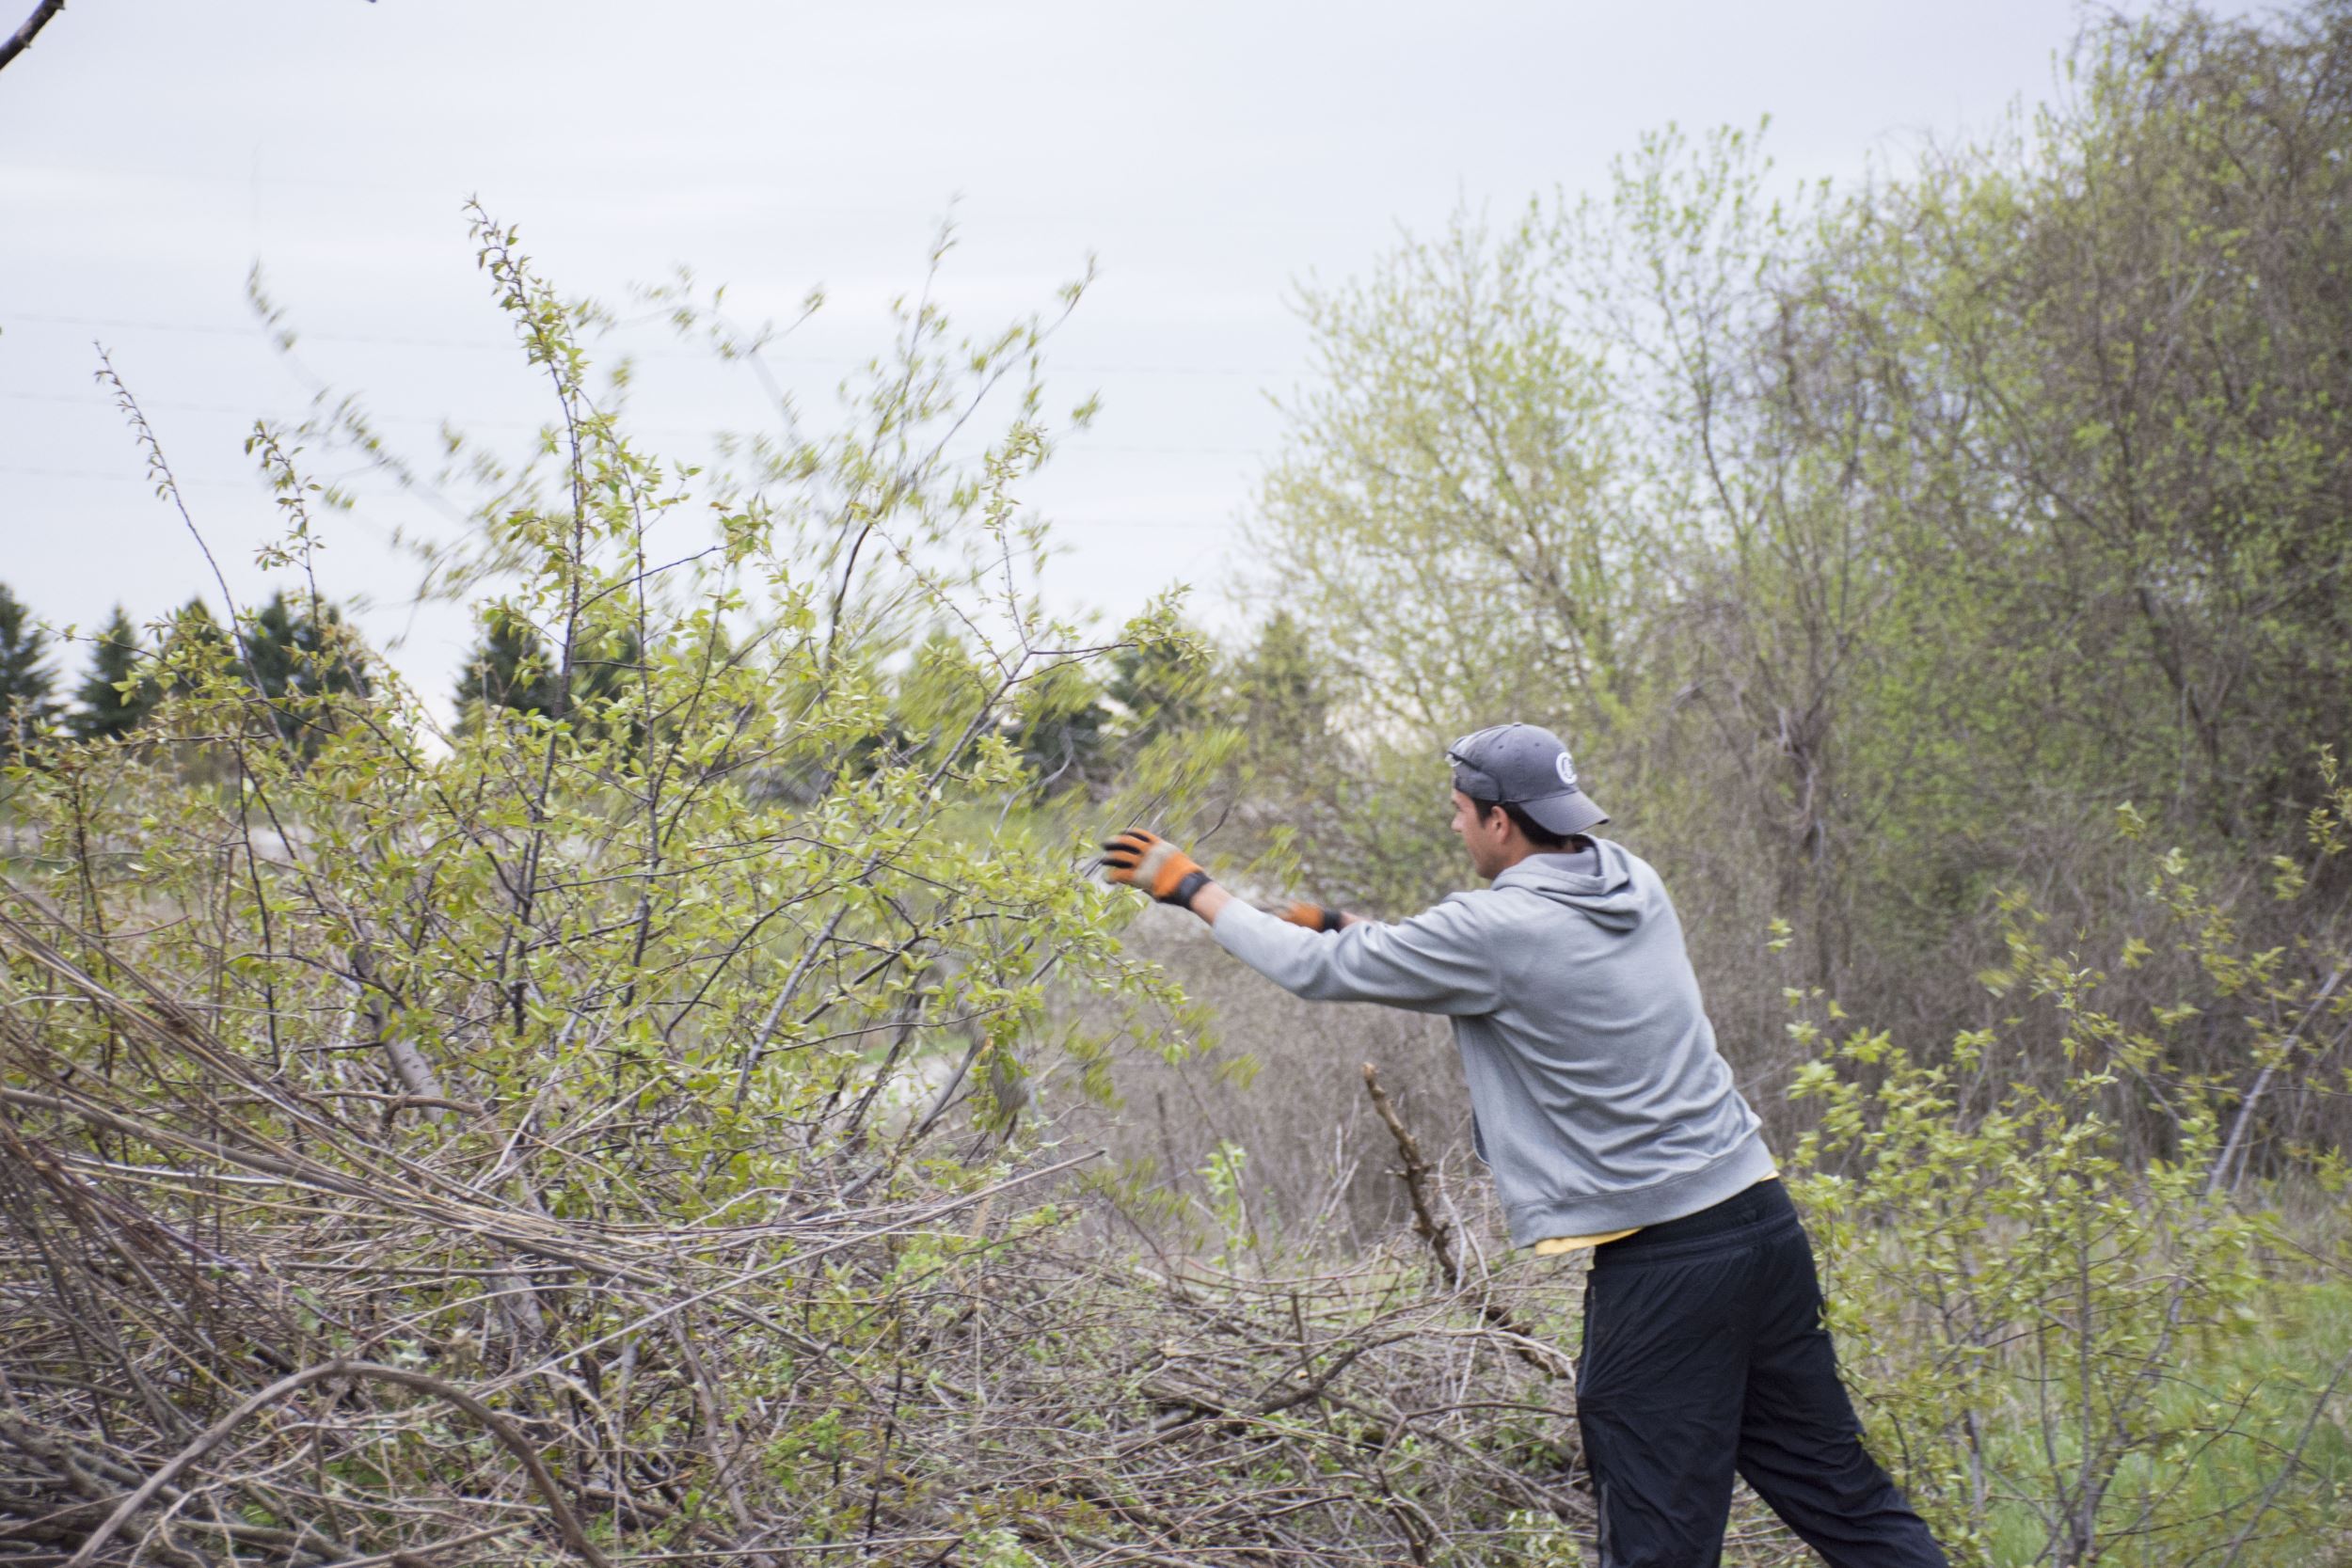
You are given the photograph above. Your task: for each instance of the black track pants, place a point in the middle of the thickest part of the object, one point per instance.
(1704, 1352)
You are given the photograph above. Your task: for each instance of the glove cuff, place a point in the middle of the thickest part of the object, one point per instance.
(1182, 894)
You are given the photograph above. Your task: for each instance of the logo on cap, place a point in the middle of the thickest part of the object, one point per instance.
(1567, 769)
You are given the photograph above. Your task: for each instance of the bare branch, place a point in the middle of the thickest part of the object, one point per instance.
(23, 38)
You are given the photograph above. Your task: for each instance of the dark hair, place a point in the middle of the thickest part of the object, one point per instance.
(1538, 834)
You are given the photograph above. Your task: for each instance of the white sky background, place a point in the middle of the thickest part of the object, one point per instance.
(1209, 155)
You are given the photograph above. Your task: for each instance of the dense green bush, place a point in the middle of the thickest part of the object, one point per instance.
(566, 1055)
(2083, 1355)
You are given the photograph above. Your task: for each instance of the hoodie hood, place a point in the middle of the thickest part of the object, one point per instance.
(1598, 881)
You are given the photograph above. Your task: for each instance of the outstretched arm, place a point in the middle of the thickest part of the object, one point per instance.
(1435, 962)
(1144, 860)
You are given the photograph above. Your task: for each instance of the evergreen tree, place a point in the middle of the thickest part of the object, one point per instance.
(103, 711)
(1281, 689)
(1061, 731)
(271, 648)
(298, 655)
(510, 669)
(1163, 684)
(26, 681)
(514, 668)
(606, 673)
(607, 670)
(195, 641)
(298, 658)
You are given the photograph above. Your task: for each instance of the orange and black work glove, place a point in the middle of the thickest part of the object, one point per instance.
(1145, 860)
(1313, 916)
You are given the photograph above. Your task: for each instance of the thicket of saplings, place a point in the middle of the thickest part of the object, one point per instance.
(699, 1108)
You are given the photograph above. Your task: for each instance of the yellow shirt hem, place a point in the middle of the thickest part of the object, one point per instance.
(1553, 1245)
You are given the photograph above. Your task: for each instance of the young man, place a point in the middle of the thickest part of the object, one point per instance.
(1609, 1121)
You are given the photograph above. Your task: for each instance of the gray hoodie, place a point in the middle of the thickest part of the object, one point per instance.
(1597, 1097)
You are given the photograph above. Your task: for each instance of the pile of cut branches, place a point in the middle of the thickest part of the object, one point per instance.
(245, 1325)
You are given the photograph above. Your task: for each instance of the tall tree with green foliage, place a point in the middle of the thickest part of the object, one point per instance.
(1825, 523)
(27, 681)
(117, 694)
(1446, 509)
(2121, 331)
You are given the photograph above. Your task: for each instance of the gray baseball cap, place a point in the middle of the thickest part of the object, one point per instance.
(1526, 765)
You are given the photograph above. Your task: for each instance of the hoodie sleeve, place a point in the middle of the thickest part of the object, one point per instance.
(1432, 963)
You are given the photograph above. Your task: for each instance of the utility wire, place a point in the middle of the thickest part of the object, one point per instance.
(486, 346)
(1075, 445)
(257, 486)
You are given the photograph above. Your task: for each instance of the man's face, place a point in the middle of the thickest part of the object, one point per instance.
(1487, 841)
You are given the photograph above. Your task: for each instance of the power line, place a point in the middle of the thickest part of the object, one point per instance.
(125, 478)
(257, 486)
(487, 347)
(1075, 446)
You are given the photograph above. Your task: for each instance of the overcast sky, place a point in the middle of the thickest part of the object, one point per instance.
(1209, 154)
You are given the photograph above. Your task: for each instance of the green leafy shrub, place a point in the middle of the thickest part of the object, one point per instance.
(2075, 1355)
(642, 1061)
